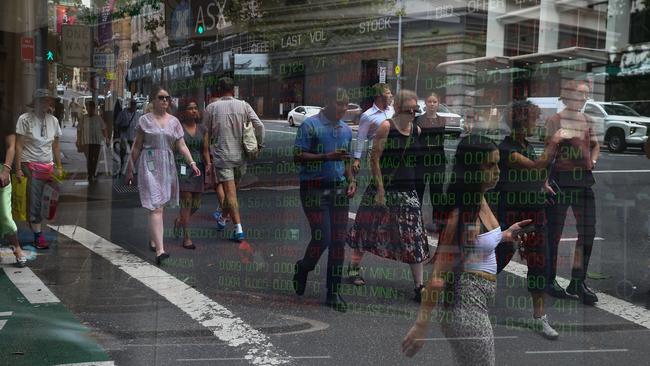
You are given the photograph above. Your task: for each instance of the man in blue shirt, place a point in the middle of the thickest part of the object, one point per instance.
(326, 183)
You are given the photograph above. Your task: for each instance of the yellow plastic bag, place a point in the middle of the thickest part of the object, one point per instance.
(19, 203)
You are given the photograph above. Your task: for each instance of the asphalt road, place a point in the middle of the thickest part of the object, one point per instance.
(226, 304)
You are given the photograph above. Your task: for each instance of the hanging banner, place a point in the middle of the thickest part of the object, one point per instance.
(105, 26)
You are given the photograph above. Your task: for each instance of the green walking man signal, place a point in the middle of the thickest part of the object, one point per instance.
(50, 56)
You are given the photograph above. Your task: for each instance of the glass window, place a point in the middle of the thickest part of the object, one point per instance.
(234, 214)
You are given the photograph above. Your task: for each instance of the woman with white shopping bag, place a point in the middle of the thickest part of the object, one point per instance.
(37, 153)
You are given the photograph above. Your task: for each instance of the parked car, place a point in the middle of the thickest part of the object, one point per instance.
(353, 114)
(623, 126)
(454, 123)
(297, 115)
(60, 89)
(616, 125)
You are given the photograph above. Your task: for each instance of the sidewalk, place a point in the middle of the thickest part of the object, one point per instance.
(40, 331)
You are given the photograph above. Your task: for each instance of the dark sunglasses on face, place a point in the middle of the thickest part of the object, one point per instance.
(164, 98)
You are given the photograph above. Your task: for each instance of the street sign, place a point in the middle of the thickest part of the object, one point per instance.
(27, 49)
(76, 46)
(382, 74)
(397, 70)
(104, 60)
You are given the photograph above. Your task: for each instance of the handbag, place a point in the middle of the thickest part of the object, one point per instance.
(49, 200)
(19, 198)
(43, 171)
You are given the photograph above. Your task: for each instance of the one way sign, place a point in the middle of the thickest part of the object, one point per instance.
(76, 46)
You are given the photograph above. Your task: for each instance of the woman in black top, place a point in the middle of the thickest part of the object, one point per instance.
(431, 161)
(389, 219)
(191, 185)
(521, 197)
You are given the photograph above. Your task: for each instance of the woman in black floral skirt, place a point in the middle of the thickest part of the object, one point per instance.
(389, 219)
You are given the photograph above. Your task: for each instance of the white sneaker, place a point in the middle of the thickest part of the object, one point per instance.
(542, 326)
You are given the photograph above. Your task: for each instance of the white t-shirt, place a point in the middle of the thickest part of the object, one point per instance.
(38, 136)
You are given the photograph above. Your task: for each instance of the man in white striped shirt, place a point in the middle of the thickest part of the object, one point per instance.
(370, 120)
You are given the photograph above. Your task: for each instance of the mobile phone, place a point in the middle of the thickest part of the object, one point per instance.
(530, 228)
(555, 187)
(342, 150)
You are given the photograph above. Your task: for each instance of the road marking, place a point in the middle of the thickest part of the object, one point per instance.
(316, 325)
(2, 324)
(613, 305)
(242, 358)
(96, 363)
(6, 313)
(465, 338)
(285, 132)
(30, 286)
(598, 238)
(222, 322)
(579, 351)
(620, 171)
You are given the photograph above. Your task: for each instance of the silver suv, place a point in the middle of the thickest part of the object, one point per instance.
(622, 126)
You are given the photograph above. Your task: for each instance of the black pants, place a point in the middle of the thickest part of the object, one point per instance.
(327, 212)
(583, 204)
(92, 158)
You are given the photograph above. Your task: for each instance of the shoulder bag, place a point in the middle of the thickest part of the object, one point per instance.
(249, 141)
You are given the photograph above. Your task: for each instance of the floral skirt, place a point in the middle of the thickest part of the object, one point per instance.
(394, 231)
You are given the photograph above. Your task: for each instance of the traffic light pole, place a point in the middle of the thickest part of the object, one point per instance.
(42, 63)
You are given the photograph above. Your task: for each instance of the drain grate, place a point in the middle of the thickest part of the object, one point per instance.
(125, 188)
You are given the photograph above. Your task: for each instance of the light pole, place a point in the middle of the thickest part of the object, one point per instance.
(398, 68)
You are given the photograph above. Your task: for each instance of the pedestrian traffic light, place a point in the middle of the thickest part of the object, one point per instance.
(51, 50)
(200, 29)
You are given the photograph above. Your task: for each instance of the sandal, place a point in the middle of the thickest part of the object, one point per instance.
(186, 246)
(354, 276)
(21, 262)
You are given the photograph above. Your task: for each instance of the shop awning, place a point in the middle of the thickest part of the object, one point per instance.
(559, 58)
(590, 55)
(486, 62)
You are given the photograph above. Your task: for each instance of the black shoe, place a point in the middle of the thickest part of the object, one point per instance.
(418, 293)
(584, 293)
(299, 278)
(161, 258)
(556, 290)
(337, 303)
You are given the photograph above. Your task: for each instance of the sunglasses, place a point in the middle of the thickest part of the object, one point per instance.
(164, 98)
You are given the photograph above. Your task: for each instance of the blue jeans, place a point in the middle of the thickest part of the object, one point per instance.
(327, 212)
